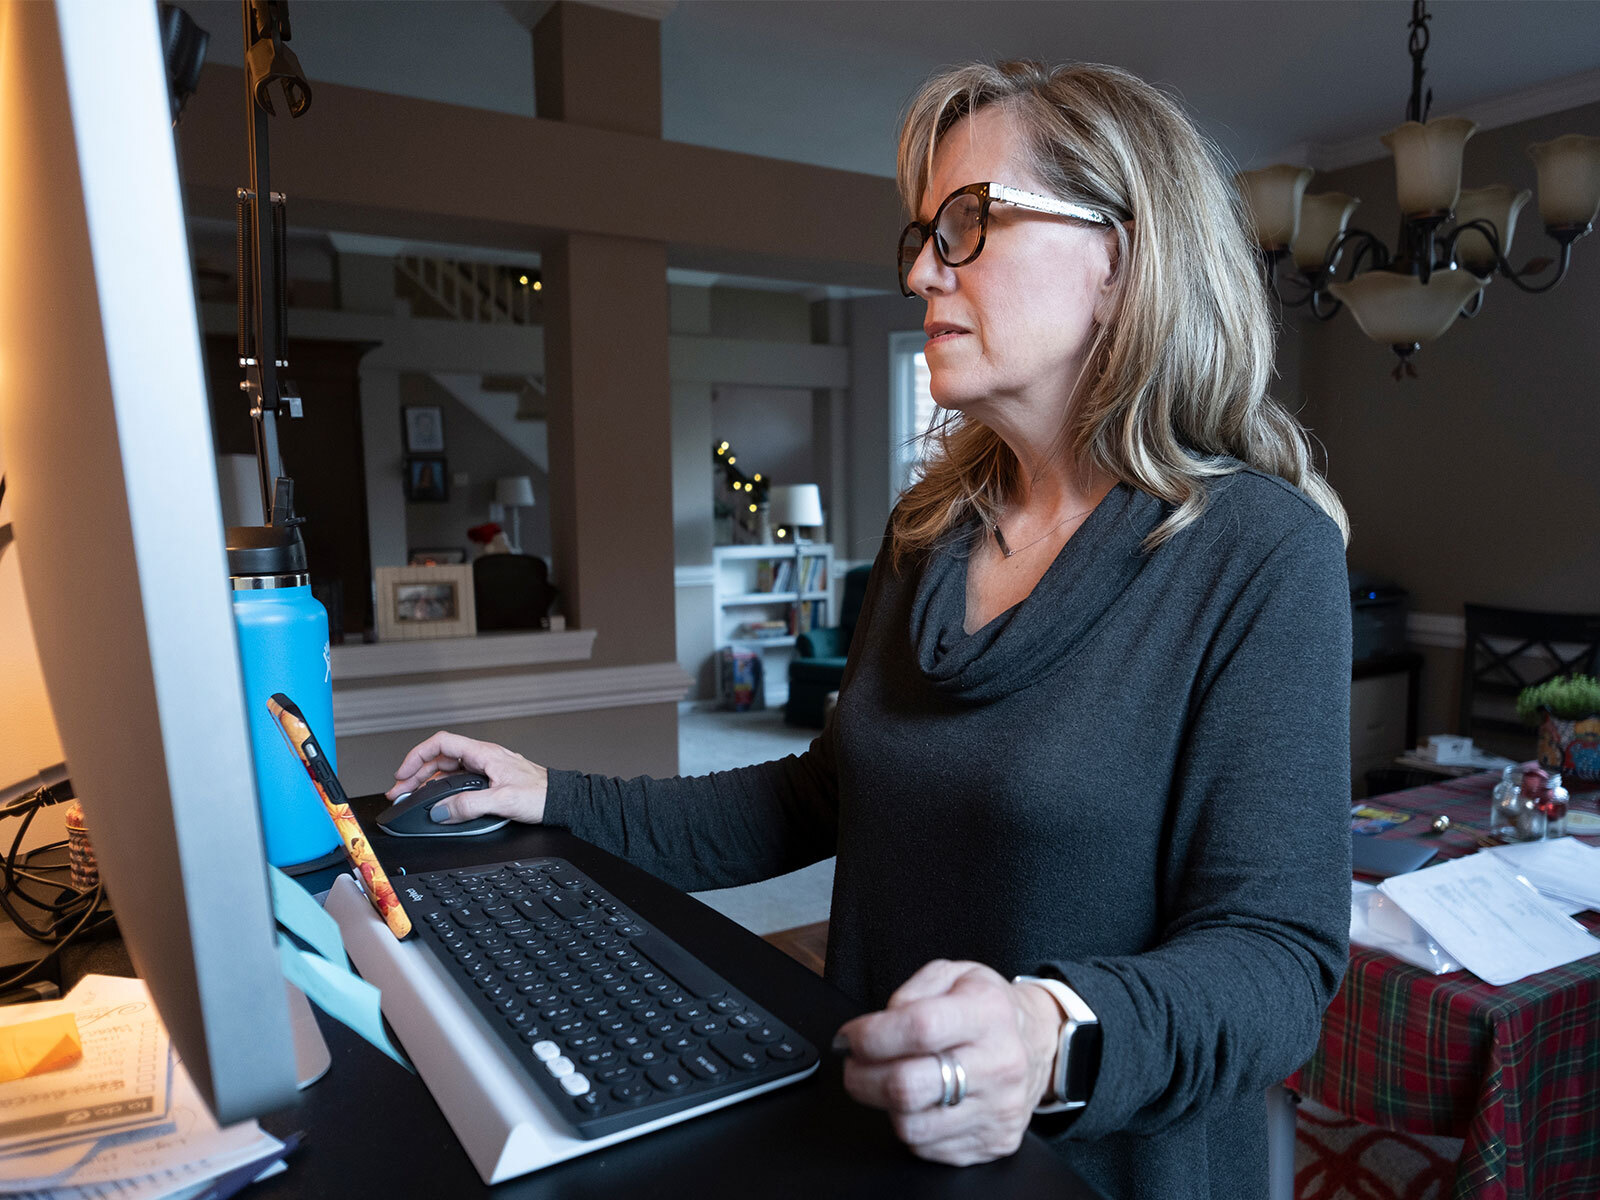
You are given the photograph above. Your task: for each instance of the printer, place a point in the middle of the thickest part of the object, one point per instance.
(1378, 610)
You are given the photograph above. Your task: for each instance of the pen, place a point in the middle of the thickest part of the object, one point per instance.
(230, 1183)
(356, 847)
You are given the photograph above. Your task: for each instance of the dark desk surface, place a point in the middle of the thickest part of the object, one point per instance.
(374, 1131)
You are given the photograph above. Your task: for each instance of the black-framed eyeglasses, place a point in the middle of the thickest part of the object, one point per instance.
(961, 224)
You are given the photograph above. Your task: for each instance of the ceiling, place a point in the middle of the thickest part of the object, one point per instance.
(822, 81)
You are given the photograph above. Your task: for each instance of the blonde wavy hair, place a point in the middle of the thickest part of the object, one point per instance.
(1175, 381)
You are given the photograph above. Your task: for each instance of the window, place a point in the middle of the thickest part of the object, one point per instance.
(911, 408)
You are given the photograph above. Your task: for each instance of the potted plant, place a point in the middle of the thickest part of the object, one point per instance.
(1567, 711)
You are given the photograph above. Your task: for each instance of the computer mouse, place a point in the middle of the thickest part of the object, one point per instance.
(409, 815)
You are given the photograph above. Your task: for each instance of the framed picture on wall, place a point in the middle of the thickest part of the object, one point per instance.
(415, 603)
(439, 557)
(424, 428)
(427, 478)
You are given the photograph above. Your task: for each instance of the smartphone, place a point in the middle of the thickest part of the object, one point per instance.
(358, 850)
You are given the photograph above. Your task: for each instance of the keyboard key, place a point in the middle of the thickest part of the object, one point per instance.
(598, 1059)
(690, 1013)
(663, 1029)
(669, 1077)
(616, 1073)
(744, 1020)
(630, 1041)
(784, 1051)
(647, 1057)
(583, 1041)
(741, 1055)
(635, 1092)
(710, 1027)
(588, 1104)
(571, 1026)
(706, 1066)
(545, 1051)
(574, 1084)
(560, 1066)
(695, 978)
(680, 1043)
(763, 1034)
(469, 918)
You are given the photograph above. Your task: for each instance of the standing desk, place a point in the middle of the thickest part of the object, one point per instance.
(374, 1131)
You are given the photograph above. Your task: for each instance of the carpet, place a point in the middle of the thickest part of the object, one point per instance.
(1336, 1158)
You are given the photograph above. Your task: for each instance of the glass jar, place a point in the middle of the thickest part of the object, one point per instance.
(1554, 804)
(1531, 821)
(1503, 805)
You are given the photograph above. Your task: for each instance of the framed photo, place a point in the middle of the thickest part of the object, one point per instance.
(415, 603)
(427, 478)
(441, 557)
(424, 428)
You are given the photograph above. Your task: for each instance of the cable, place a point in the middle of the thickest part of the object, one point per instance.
(74, 911)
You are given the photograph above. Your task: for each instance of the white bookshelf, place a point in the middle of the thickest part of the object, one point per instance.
(746, 579)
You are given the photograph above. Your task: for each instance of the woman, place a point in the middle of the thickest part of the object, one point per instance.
(1094, 728)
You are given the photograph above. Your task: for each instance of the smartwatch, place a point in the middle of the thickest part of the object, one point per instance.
(1077, 1053)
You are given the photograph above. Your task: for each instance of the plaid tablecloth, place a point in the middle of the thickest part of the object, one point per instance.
(1513, 1070)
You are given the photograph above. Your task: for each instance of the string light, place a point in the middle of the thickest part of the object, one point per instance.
(732, 460)
(523, 281)
(538, 286)
(752, 508)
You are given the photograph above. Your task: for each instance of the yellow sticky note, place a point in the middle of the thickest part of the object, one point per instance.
(34, 1047)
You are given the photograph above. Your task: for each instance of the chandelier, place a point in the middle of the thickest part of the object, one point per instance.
(1451, 242)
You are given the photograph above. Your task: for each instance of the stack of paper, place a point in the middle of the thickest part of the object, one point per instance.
(124, 1120)
(1489, 919)
(1564, 869)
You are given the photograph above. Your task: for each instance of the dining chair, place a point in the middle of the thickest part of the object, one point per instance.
(1508, 649)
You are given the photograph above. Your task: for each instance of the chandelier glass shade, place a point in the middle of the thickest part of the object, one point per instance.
(1451, 242)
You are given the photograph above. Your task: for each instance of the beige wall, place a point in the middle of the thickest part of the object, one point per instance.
(1476, 481)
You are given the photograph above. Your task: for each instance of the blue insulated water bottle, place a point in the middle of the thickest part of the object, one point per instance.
(283, 647)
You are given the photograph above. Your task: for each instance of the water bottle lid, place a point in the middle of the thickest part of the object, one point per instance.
(265, 550)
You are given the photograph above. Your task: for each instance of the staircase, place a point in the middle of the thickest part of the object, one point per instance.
(490, 293)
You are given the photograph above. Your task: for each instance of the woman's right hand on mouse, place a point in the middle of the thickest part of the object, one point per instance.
(516, 786)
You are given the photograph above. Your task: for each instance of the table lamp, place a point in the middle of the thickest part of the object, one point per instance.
(514, 492)
(795, 505)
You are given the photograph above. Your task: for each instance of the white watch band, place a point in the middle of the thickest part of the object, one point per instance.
(1078, 1013)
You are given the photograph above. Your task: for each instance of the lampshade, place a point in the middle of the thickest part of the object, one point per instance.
(1497, 204)
(1569, 179)
(796, 504)
(514, 491)
(1427, 163)
(1400, 309)
(1273, 195)
(1323, 217)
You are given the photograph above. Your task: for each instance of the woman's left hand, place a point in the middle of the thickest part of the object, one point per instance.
(1004, 1035)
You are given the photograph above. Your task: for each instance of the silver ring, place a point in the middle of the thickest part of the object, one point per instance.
(953, 1078)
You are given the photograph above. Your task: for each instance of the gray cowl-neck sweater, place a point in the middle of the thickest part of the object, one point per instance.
(1137, 780)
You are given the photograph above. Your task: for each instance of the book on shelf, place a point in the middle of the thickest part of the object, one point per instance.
(756, 631)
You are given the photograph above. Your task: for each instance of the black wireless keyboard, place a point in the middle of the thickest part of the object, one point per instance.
(617, 1023)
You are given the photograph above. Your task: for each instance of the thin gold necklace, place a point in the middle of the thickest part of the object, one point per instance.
(1000, 538)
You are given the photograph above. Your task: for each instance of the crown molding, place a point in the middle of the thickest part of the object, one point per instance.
(1558, 95)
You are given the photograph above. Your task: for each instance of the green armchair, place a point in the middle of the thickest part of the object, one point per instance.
(819, 656)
